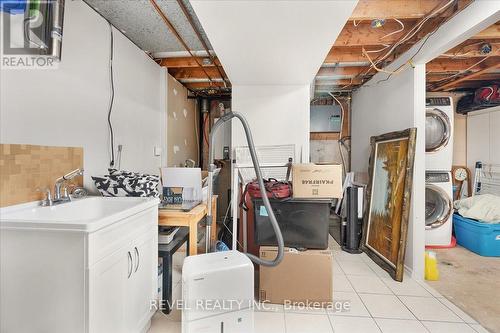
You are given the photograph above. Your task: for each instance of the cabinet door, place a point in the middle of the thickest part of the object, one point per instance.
(108, 289)
(478, 139)
(143, 283)
(495, 137)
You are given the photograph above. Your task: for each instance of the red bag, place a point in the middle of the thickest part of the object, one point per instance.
(487, 95)
(274, 189)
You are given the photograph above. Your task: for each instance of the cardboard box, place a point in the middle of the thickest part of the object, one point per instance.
(317, 180)
(302, 277)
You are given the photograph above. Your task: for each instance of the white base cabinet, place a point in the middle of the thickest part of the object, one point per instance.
(67, 281)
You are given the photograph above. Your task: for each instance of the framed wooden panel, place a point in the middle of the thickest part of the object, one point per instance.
(385, 223)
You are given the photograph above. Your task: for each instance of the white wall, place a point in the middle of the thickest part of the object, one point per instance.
(68, 106)
(395, 105)
(271, 64)
(277, 115)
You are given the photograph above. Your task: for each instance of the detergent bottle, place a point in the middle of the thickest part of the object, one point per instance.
(431, 269)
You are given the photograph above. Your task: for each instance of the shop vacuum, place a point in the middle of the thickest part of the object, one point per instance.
(218, 287)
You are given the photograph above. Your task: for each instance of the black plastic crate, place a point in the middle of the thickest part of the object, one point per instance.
(303, 222)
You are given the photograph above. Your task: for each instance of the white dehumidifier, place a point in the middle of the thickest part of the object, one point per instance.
(218, 288)
(218, 293)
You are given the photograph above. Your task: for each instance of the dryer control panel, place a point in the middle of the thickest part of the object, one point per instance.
(437, 177)
(437, 101)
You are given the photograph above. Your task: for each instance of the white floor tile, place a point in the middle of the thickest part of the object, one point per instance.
(341, 283)
(441, 327)
(269, 322)
(459, 312)
(408, 287)
(307, 323)
(400, 325)
(386, 306)
(353, 302)
(431, 290)
(368, 284)
(346, 256)
(356, 268)
(425, 308)
(379, 271)
(354, 325)
(478, 328)
(336, 270)
(161, 324)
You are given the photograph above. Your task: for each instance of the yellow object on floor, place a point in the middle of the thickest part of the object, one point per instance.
(431, 269)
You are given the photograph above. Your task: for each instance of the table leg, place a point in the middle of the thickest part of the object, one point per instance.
(193, 239)
(167, 283)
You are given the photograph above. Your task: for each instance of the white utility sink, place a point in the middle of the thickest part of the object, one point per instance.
(89, 265)
(88, 214)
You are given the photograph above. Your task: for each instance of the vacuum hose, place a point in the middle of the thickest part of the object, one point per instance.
(258, 173)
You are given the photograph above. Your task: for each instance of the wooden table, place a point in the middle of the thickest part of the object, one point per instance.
(179, 218)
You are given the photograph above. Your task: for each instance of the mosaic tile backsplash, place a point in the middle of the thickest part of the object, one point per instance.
(26, 168)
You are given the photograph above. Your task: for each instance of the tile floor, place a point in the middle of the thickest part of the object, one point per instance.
(378, 304)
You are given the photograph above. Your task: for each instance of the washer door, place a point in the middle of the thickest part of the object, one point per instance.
(438, 206)
(437, 130)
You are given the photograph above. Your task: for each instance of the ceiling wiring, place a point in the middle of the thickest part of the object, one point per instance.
(412, 57)
(395, 32)
(412, 32)
(374, 63)
(437, 83)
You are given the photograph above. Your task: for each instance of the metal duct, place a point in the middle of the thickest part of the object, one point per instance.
(204, 105)
(56, 30)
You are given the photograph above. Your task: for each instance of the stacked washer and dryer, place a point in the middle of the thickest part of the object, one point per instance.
(438, 181)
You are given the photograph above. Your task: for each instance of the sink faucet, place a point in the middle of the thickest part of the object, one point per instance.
(58, 197)
(60, 181)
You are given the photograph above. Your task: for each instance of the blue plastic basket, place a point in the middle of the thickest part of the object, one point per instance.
(481, 238)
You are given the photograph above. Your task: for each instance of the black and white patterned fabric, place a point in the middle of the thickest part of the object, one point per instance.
(121, 183)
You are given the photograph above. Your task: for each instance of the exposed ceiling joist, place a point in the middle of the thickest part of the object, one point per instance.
(325, 73)
(203, 85)
(472, 48)
(400, 9)
(442, 65)
(340, 82)
(345, 54)
(492, 31)
(483, 77)
(186, 62)
(194, 72)
(482, 68)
